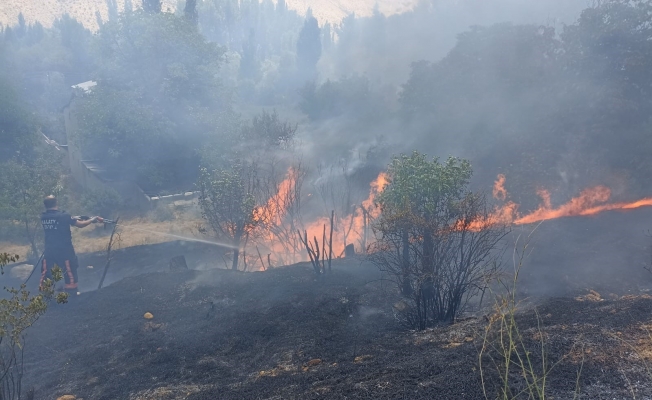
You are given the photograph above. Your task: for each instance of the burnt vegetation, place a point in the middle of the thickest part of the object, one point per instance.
(315, 156)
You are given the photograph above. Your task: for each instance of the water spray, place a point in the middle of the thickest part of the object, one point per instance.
(186, 238)
(190, 239)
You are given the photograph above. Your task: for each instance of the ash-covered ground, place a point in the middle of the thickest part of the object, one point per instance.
(283, 334)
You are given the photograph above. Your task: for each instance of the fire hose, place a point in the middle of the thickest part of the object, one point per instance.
(95, 219)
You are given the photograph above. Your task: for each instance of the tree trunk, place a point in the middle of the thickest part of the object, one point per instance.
(32, 239)
(152, 6)
(427, 263)
(190, 11)
(236, 249)
(406, 289)
(236, 255)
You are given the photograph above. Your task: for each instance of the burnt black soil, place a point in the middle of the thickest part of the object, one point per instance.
(282, 334)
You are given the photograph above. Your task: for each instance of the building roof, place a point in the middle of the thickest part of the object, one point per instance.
(85, 86)
(99, 170)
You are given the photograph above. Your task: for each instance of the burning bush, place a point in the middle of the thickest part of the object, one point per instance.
(242, 193)
(435, 238)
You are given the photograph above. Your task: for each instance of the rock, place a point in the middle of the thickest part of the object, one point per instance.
(148, 315)
(21, 271)
(314, 361)
(401, 306)
(349, 251)
(362, 358)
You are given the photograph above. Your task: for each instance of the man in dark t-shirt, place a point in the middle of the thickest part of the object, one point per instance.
(58, 243)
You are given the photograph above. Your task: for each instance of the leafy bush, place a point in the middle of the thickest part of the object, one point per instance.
(23, 183)
(435, 238)
(101, 202)
(19, 311)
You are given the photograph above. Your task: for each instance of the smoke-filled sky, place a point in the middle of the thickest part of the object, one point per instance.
(462, 12)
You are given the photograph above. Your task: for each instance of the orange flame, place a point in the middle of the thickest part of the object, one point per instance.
(589, 202)
(277, 205)
(352, 228)
(377, 187)
(499, 188)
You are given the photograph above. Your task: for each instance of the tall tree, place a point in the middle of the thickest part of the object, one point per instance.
(23, 185)
(327, 37)
(281, 7)
(112, 7)
(249, 60)
(190, 11)
(17, 127)
(309, 47)
(160, 75)
(152, 6)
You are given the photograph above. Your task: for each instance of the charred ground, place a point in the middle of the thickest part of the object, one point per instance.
(284, 334)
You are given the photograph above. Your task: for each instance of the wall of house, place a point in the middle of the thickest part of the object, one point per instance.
(74, 152)
(91, 176)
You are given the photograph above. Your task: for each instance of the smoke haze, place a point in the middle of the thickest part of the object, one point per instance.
(540, 92)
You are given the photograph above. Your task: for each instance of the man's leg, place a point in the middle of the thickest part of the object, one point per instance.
(50, 261)
(73, 263)
(69, 268)
(44, 271)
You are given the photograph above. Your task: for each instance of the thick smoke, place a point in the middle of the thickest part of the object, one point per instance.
(541, 92)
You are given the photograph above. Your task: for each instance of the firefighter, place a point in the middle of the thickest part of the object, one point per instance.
(58, 243)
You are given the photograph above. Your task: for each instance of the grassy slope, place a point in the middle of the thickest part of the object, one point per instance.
(46, 11)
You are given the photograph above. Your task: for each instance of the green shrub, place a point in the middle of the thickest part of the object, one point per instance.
(104, 202)
(19, 310)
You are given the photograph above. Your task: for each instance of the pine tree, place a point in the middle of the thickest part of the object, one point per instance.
(21, 29)
(98, 19)
(327, 37)
(152, 6)
(309, 47)
(249, 60)
(190, 11)
(281, 7)
(112, 7)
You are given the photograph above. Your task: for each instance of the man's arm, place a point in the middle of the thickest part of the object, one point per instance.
(84, 224)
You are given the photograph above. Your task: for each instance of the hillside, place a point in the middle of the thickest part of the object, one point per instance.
(282, 334)
(46, 11)
(335, 10)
